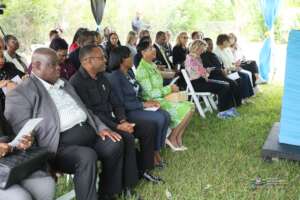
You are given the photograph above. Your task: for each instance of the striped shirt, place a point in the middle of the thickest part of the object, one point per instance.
(69, 112)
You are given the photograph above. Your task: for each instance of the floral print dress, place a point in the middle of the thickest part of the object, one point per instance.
(152, 83)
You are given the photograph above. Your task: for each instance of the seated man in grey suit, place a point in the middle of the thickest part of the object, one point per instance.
(75, 136)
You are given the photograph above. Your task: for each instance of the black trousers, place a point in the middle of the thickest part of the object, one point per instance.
(250, 65)
(130, 169)
(145, 131)
(246, 87)
(144, 159)
(234, 86)
(225, 96)
(78, 152)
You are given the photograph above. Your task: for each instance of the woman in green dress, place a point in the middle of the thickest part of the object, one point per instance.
(152, 83)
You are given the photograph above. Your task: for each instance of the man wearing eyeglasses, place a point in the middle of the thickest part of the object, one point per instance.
(93, 87)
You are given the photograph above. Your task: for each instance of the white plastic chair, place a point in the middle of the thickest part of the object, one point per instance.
(207, 97)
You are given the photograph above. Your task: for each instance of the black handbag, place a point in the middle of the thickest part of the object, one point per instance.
(18, 165)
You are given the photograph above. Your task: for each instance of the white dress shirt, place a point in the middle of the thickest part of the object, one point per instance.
(163, 53)
(69, 112)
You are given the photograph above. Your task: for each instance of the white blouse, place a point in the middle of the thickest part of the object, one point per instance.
(225, 56)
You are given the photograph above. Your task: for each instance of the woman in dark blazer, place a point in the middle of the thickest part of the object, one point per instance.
(128, 91)
(113, 42)
(180, 51)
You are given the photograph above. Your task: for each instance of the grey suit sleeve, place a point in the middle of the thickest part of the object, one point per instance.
(18, 109)
(100, 125)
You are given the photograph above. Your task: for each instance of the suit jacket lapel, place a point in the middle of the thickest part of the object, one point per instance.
(48, 102)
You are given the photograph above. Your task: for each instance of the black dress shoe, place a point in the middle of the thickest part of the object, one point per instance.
(151, 178)
(131, 194)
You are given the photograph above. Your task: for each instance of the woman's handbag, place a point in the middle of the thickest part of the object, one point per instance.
(17, 165)
(177, 97)
(167, 73)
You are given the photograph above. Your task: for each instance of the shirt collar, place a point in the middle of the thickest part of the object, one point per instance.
(86, 75)
(57, 85)
(159, 46)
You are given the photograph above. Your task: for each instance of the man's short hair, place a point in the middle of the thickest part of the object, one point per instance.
(86, 50)
(159, 34)
(9, 37)
(222, 38)
(85, 35)
(53, 32)
(58, 44)
(207, 39)
(194, 34)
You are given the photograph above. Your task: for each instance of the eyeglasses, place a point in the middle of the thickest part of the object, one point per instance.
(185, 37)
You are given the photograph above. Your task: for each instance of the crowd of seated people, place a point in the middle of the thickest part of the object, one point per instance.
(199, 79)
(230, 65)
(95, 107)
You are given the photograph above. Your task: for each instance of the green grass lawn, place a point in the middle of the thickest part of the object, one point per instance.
(224, 156)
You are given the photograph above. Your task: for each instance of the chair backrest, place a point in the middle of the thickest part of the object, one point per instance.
(191, 92)
(189, 85)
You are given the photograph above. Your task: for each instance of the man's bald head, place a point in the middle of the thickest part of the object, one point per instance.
(45, 64)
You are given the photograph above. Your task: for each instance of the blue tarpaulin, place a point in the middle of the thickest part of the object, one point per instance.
(269, 10)
(290, 113)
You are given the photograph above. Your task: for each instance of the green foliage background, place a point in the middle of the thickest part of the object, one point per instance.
(31, 20)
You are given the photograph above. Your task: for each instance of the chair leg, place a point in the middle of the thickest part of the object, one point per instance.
(207, 104)
(212, 102)
(199, 108)
(201, 113)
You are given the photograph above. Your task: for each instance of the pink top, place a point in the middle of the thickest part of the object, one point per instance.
(194, 67)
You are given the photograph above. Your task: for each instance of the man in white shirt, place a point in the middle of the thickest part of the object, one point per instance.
(161, 57)
(75, 137)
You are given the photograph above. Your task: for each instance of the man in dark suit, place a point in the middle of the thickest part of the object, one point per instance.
(75, 137)
(95, 91)
(161, 55)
